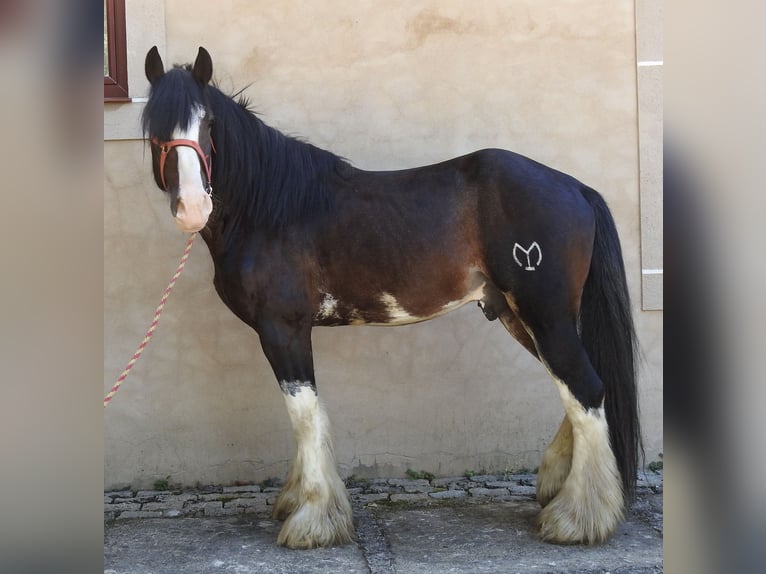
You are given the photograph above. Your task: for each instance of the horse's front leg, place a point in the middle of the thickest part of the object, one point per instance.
(314, 501)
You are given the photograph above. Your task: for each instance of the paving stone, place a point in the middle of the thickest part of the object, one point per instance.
(446, 481)
(246, 488)
(173, 513)
(109, 515)
(210, 497)
(519, 490)
(525, 479)
(124, 506)
(491, 492)
(245, 503)
(387, 488)
(483, 478)
(194, 508)
(150, 493)
(409, 497)
(403, 482)
(210, 508)
(374, 497)
(414, 486)
(466, 484)
(448, 494)
(139, 514)
(651, 480)
(119, 494)
(500, 484)
(209, 489)
(183, 497)
(178, 505)
(256, 510)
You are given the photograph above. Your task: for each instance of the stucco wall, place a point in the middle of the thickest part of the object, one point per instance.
(393, 87)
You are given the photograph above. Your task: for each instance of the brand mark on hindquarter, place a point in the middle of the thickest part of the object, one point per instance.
(529, 258)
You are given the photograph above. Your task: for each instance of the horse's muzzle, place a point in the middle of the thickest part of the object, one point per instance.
(192, 216)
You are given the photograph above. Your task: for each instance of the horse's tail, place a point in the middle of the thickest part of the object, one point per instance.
(609, 338)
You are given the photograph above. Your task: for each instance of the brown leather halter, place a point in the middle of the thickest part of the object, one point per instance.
(206, 160)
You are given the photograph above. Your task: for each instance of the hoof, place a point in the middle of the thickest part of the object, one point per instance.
(568, 521)
(311, 526)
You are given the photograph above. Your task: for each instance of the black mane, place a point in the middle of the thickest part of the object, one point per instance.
(262, 179)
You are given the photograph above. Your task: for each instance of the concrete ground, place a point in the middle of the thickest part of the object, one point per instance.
(419, 533)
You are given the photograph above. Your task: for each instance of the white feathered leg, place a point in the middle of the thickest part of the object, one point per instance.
(590, 503)
(556, 464)
(314, 500)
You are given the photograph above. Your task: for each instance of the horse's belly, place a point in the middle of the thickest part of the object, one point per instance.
(388, 310)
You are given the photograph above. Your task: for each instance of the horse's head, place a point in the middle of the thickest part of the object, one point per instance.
(177, 119)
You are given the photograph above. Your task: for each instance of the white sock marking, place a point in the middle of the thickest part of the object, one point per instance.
(314, 497)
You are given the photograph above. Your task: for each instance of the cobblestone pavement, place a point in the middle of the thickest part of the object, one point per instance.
(482, 523)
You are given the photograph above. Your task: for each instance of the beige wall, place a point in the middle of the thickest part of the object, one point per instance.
(413, 83)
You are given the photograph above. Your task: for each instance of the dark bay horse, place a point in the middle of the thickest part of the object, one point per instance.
(300, 238)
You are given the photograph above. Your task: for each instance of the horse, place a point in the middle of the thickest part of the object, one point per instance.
(301, 238)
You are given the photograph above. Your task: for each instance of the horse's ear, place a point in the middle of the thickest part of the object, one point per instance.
(153, 65)
(203, 67)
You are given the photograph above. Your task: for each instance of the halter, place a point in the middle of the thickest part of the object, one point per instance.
(206, 160)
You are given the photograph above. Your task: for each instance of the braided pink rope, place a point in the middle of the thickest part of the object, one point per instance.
(153, 326)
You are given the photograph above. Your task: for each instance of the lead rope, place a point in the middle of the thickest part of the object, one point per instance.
(153, 326)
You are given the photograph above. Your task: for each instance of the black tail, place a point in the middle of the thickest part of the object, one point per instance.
(609, 338)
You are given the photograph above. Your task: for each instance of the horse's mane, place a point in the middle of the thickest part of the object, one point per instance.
(262, 178)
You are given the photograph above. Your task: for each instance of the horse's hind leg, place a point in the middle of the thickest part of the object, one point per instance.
(589, 503)
(555, 464)
(557, 459)
(314, 501)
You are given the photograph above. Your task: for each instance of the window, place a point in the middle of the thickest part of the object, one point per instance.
(115, 52)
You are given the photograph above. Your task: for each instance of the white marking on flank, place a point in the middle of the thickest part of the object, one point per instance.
(651, 271)
(328, 307)
(649, 63)
(397, 315)
(474, 295)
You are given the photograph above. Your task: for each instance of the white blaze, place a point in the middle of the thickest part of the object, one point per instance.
(194, 205)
